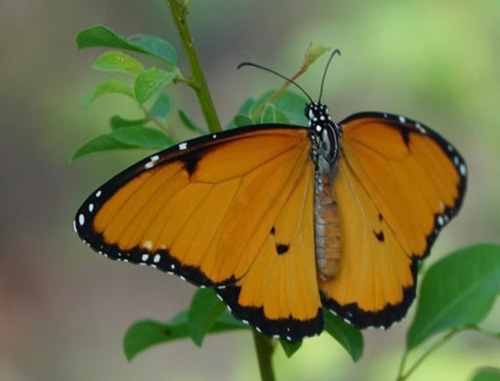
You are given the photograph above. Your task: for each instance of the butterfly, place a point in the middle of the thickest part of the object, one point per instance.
(283, 220)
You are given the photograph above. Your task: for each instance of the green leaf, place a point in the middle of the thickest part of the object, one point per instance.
(486, 374)
(104, 37)
(142, 137)
(247, 106)
(268, 115)
(101, 36)
(117, 121)
(150, 81)
(99, 144)
(289, 103)
(204, 310)
(292, 105)
(290, 347)
(456, 291)
(117, 62)
(272, 114)
(147, 333)
(190, 124)
(314, 51)
(242, 120)
(110, 86)
(156, 47)
(162, 106)
(125, 138)
(244, 112)
(348, 336)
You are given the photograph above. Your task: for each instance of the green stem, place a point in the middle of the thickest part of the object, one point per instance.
(264, 349)
(436, 345)
(159, 124)
(200, 87)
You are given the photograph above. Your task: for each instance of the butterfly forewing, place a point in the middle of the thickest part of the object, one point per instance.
(232, 209)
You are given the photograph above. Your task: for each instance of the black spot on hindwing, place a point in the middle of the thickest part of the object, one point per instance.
(281, 248)
(380, 235)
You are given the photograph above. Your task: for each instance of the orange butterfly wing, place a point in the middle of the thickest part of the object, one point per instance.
(398, 183)
(231, 211)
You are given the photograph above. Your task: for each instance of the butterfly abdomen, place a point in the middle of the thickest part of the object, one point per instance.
(326, 227)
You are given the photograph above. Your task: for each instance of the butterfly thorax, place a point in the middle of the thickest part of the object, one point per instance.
(325, 136)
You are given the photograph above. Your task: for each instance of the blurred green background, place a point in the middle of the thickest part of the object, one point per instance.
(64, 309)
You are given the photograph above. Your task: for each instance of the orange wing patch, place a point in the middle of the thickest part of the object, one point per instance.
(279, 292)
(398, 184)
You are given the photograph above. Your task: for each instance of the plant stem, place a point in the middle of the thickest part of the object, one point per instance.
(436, 345)
(200, 87)
(264, 349)
(159, 124)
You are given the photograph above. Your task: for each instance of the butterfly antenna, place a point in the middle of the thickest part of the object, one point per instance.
(336, 51)
(276, 73)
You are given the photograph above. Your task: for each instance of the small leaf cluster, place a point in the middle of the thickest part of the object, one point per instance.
(457, 293)
(207, 314)
(143, 85)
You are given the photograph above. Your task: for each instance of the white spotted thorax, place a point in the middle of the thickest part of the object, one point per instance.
(324, 135)
(325, 138)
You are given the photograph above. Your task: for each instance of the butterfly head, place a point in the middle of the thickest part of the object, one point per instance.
(323, 132)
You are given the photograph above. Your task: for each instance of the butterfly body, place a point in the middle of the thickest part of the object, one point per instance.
(325, 145)
(284, 220)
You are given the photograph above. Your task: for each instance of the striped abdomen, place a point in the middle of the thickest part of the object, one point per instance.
(327, 227)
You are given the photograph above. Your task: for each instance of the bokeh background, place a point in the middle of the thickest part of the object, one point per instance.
(64, 309)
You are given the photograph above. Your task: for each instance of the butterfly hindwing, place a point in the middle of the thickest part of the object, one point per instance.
(398, 183)
(279, 294)
(217, 211)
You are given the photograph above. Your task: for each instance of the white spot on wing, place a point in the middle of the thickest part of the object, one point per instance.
(81, 219)
(419, 127)
(144, 257)
(182, 146)
(402, 119)
(98, 193)
(91, 208)
(155, 158)
(157, 258)
(149, 165)
(463, 169)
(74, 226)
(440, 220)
